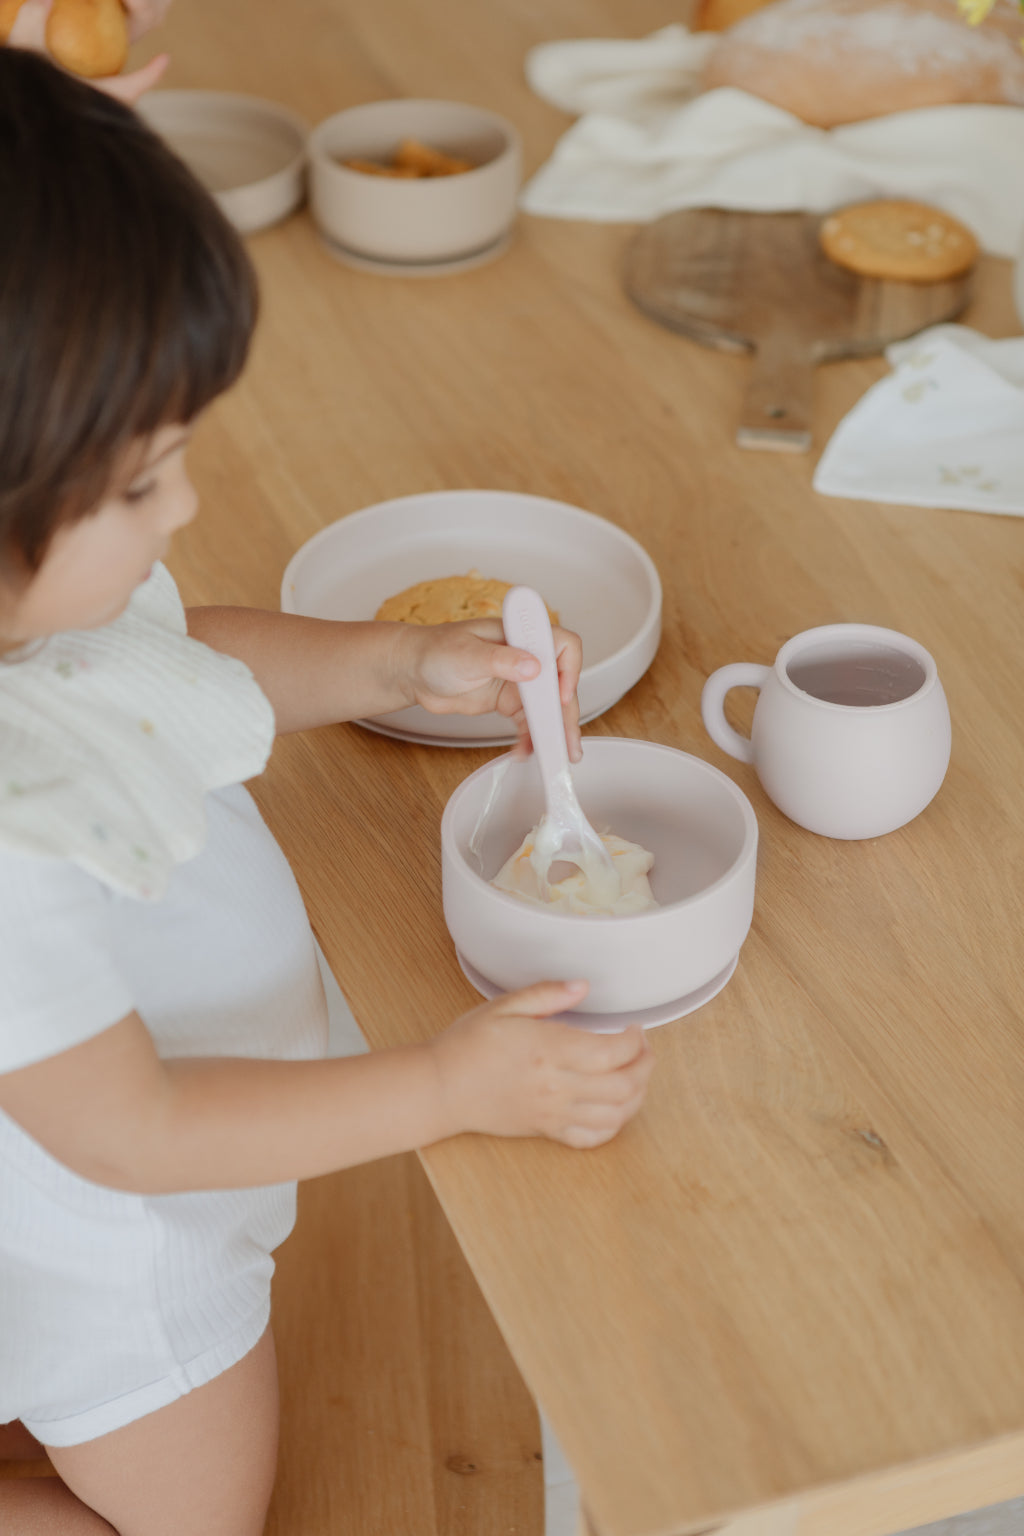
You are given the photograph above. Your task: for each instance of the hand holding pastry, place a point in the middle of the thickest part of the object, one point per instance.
(88, 37)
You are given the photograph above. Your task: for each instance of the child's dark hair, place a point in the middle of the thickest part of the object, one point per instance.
(127, 300)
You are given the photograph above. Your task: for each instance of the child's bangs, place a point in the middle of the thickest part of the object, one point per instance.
(198, 335)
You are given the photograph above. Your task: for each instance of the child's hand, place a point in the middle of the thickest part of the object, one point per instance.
(509, 1069)
(467, 669)
(29, 31)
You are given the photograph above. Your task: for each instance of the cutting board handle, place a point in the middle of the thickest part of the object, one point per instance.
(777, 409)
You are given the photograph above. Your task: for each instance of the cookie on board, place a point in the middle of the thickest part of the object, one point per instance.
(898, 239)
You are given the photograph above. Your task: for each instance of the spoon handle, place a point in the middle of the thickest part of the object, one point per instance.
(527, 626)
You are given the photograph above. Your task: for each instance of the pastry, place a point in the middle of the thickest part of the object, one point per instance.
(446, 599)
(898, 239)
(87, 37)
(412, 161)
(840, 61)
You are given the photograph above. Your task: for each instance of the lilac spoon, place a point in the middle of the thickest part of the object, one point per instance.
(564, 832)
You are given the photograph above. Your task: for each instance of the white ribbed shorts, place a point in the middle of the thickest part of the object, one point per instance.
(113, 1305)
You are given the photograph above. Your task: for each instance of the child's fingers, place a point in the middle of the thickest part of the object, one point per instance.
(599, 1054)
(581, 1137)
(144, 15)
(128, 88)
(29, 29)
(512, 665)
(569, 658)
(591, 1128)
(620, 1108)
(542, 999)
(591, 1123)
(617, 1087)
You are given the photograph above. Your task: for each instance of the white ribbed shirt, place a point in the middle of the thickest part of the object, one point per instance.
(136, 874)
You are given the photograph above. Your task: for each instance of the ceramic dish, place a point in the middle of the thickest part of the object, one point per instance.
(250, 153)
(702, 832)
(434, 224)
(381, 268)
(601, 582)
(612, 1023)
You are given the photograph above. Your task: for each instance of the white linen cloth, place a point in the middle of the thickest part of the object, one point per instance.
(645, 144)
(111, 737)
(945, 429)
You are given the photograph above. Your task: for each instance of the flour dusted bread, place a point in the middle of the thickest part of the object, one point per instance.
(87, 37)
(840, 61)
(447, 599)
(717, 15)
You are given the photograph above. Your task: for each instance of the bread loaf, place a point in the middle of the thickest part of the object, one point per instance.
(840, 61)
(717, 15)
(87, 37)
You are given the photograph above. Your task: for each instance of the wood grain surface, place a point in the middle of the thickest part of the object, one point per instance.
(800, 1269)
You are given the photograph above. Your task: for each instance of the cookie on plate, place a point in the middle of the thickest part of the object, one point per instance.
(447, 599)
(893, 238)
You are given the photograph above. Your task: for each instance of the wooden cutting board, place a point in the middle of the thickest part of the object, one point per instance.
(760, 282)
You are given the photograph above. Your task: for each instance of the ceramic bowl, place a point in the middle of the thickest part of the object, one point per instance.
(437, 219)
(602, 583)
(701, 830)
(250, 153)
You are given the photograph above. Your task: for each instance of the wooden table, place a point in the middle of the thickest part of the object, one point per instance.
(787, 1300)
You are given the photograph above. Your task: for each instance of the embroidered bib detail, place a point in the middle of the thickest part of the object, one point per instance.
(110, 738)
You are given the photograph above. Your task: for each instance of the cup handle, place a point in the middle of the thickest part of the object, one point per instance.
(740, 674)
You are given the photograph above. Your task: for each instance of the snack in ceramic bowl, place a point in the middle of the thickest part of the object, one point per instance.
(420, 220)
(696, 823)
(447, 599)
(411, 161)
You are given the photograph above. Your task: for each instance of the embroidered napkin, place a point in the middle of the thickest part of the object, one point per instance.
(111, 737)
(945, 429)
(646, 144)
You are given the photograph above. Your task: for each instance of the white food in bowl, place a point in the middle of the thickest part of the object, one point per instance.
(700, 828)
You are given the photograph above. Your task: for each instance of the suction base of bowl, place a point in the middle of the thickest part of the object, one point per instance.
(442, 267)
(612, 1023)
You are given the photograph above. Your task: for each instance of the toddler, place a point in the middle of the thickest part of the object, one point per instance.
(162, 1023)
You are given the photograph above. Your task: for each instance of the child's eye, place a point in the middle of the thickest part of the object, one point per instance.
(139, 492)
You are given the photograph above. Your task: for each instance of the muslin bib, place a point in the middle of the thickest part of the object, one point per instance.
(111, 737)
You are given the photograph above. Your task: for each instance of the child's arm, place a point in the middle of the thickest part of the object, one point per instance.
(317, 671)
(112, 1111)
